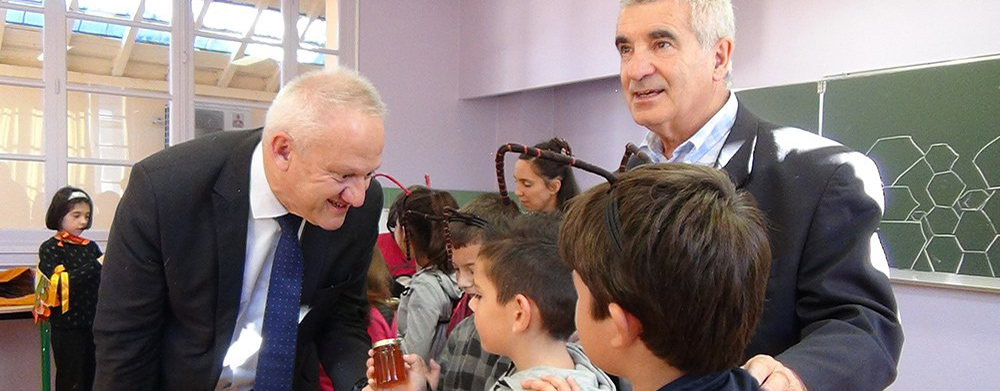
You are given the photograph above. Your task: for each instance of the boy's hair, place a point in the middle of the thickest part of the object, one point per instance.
(693, 267)
(489, 207)
(64, 201)
(421, 216)
(525, 260)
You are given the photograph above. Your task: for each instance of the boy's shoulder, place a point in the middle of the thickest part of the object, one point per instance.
(735, 379)
(586, 375)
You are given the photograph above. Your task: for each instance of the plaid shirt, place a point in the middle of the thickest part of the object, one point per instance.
(464, 364)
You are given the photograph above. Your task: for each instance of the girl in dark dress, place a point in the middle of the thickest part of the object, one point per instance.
(69, 257)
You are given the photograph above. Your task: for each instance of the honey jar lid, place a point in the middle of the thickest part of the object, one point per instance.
(384, 342)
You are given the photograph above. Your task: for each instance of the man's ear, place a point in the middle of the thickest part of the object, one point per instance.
(723, 52)
(280, 146)
(522, 312)
(627, 327)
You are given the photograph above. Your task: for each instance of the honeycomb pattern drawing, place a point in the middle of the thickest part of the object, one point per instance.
(933, 221)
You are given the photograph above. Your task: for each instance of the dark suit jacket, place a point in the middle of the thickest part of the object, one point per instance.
(828, 314)
(171, 285)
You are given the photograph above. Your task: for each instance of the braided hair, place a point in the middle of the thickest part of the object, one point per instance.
(422, 215)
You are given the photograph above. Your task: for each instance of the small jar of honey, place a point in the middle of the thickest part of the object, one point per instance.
(390, 370)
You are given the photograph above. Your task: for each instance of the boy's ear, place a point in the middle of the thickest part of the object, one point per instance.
(522, 315)
(627, 326)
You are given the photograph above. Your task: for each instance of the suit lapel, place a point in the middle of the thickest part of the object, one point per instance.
(742, 137)
(231, 208)
(316, 251)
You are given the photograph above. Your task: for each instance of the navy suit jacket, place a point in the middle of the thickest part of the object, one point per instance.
(173, 275)
(829, 313)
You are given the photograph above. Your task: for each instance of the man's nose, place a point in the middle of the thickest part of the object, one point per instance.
(354, 192)
(639, 65)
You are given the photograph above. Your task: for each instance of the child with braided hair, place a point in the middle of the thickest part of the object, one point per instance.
(545, 185)
(419, 223)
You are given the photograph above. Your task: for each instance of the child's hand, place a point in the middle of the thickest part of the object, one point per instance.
(434, 375)
(417, 372)
(551, 383)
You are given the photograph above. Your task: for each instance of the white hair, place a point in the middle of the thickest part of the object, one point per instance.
(711, 20)
(305, 104)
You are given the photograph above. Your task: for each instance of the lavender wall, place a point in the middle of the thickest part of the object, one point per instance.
(783, 42)
(409, 50)
(515, 45)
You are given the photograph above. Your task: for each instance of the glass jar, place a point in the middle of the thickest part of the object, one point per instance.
(390, 370)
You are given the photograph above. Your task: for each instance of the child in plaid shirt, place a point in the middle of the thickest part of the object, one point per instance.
(465, 365)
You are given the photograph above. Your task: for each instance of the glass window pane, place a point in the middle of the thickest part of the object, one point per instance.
(155, 37)
(105, 185)
(211, 118)
(96, 48)
(312, 58)
(21, 119)
(35, 3)
(122, 9)
(114, 127)
(22, 44)
(316, 35)
(265, 51)
(160, 11)
(270, 25)
(22, 201)
(229, 18)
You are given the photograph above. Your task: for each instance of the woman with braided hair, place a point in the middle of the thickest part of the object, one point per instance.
(544, 185)
(419, 222)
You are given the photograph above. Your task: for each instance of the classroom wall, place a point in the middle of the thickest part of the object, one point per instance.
(515, 45)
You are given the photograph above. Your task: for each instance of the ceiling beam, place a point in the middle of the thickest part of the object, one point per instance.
(227, 74)
(128, 42)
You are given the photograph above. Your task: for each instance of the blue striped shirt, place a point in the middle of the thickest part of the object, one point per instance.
(705, 146)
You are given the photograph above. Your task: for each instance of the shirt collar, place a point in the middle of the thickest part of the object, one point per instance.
(705, 139)
(263, 203)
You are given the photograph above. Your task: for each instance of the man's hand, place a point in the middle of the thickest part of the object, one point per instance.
(772, 375)
(551, 383)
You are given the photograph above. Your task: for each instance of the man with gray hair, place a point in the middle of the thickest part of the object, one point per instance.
(237, 261)
(830, 319)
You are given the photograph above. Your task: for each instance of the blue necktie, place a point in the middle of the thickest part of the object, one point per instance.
(281, 314)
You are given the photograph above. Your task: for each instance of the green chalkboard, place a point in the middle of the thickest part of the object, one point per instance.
(791, 105)
(934, 132)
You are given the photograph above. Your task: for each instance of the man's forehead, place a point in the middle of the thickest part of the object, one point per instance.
(644, 18)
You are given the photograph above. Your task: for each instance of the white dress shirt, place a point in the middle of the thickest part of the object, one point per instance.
(239, 367)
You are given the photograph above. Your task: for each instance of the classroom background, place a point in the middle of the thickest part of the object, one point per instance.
(462, 77)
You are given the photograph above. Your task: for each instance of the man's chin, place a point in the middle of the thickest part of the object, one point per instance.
(331, 223)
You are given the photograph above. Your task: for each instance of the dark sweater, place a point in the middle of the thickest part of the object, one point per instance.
(80, 261)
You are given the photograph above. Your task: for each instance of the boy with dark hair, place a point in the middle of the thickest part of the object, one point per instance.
(524, 310)
(673, 303)
(464, 364)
